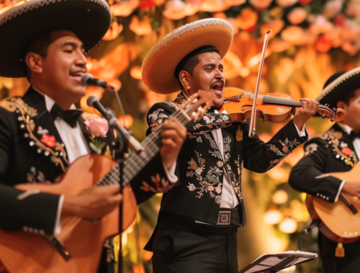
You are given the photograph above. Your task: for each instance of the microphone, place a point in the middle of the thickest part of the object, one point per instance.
(88, 80)
(93, 101)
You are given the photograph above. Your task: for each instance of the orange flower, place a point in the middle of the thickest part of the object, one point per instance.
(48, 140)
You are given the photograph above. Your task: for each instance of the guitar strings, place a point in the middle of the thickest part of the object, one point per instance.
(135, 162)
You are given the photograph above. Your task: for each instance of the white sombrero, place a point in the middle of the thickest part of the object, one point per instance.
(160, 62)
(19, 26)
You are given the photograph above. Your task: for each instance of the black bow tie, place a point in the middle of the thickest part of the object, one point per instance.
(354, 135)
(70, 116)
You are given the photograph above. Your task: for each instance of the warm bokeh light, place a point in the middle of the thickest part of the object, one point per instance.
(135, 72)
(272, 217)
(280, 197)
(128, 121)
(288, 225)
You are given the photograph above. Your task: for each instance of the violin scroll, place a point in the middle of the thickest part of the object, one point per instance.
(337, 114)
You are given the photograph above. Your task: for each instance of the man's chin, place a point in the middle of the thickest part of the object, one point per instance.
(218, 103)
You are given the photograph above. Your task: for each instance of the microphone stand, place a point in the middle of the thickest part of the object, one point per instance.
(135, 146)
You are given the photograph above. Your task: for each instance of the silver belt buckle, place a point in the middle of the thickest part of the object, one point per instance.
(224, 218)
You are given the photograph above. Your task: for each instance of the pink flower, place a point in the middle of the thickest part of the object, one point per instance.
(97, 127)
(210, 188)
(285, 149)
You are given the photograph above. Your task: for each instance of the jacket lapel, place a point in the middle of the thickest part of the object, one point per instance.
(343, 146)
(47, 139)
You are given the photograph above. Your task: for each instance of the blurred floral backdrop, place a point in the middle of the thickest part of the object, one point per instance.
(310, 40)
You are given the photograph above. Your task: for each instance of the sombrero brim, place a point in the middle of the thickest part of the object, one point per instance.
(19, 26)
(338, 88)
(160, 62)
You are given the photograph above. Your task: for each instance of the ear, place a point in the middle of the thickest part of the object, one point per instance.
(185, 79)
(34, 62)
(341, 104)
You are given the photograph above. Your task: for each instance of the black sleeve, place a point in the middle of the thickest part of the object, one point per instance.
(308, 174)
(35, 211)
(261, 157)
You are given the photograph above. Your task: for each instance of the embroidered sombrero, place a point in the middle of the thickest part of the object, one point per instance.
(160, 62)
(338, 86)
(19, 26)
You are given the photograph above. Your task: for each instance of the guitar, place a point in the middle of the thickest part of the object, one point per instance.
(78, 247)
(340, 221)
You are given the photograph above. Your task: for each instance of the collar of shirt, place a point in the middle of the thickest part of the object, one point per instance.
(346, 128)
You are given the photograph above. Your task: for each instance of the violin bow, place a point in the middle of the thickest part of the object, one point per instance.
(252, 129)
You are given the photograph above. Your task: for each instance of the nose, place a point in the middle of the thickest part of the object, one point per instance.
(81, 59)
(219, 74)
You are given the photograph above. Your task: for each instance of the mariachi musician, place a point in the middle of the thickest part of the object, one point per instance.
(337, 150)
(42, 133)
(199, 217)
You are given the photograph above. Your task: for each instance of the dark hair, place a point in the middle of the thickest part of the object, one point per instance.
(348, 97)
(39, 46)
(191, 60)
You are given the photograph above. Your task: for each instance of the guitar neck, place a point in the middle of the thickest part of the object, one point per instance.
(136, 162)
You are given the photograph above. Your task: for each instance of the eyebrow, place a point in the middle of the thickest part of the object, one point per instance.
(212, 65)
(72, 44)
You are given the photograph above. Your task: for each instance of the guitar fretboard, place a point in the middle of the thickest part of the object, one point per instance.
(136, 162)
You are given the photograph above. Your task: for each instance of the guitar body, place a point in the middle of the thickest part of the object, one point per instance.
(23, 252)
(339, 224)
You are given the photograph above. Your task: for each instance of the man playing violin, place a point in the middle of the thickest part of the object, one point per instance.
(199, 216)
(46, 41)
(337, 150)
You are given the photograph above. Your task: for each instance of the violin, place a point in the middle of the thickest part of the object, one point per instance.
(273, 107)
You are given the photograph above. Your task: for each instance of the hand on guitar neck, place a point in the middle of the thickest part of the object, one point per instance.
(99, 201)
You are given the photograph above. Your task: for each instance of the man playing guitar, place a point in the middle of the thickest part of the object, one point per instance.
(39, 138)
(337, 150)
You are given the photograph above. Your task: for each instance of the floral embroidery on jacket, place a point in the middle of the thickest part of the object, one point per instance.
(210, 183)
(287, 147)
(332, 138)
(25, 114)
(161, 185)
(35, 176)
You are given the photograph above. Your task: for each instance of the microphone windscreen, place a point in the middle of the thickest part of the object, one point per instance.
(90, 101)
(85, 77)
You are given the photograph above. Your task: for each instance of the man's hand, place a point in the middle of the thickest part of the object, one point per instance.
(308, 109)
(95, 203)
(173, 136)
(352, 188)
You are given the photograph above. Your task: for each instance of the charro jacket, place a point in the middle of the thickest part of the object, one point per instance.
(31, 151)
(330, 152)
(202, 167)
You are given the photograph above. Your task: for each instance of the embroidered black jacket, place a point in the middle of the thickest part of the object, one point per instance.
(31, 151)
(330, 152)
(202, 167)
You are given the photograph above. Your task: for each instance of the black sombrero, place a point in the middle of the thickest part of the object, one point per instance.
(160, 62)
(19, 26)
(338, 86)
